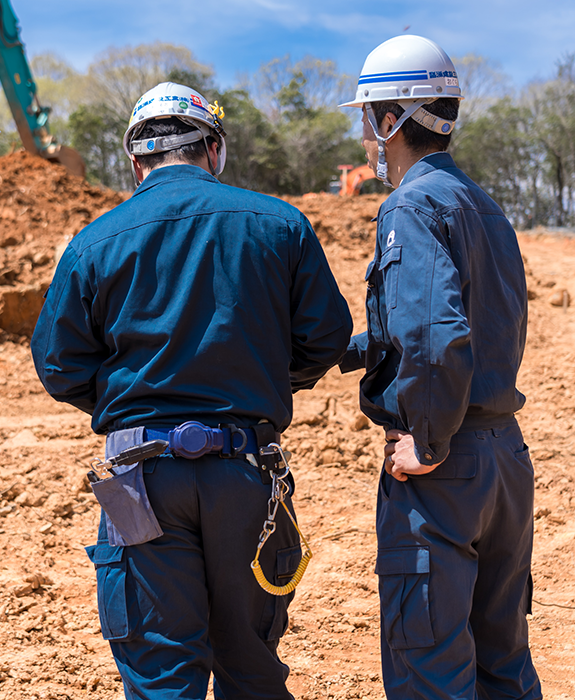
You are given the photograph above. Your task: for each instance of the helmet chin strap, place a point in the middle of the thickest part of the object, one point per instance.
(212, 170)
(382, 168)
(137, 182)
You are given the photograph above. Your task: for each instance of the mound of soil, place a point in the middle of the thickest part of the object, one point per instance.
(347, 221)
(42, 207)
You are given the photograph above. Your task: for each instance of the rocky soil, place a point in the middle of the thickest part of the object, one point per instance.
(50, 645)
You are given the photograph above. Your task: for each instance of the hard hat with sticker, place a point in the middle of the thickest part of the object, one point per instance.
(185, 103)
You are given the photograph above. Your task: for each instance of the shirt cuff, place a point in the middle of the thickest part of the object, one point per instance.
(351, 361)
(425, 455)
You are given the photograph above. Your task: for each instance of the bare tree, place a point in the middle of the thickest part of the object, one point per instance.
(552, 104)
(482, 84)
(318, 82)
(120, 76)
(60, 86)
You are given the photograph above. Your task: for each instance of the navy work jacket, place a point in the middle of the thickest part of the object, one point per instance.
(192, 300)
(446, 310)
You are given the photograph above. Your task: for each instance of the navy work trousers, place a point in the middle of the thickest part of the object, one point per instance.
(187, 603)
(454, 559)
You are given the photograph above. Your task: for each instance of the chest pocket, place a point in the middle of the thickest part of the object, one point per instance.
(374, 303)
(389, 265)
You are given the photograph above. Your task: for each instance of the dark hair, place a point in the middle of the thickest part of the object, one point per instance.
(190, 153)
(417, 137)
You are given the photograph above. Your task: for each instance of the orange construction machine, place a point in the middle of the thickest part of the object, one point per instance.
(353, 178)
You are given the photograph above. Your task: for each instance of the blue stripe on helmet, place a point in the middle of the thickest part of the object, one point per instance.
(393, 77)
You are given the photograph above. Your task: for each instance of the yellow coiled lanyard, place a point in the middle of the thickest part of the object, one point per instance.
(280, 489)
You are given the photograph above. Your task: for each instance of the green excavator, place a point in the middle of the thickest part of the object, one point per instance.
(20, 89)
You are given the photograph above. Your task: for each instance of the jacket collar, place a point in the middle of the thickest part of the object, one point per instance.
(434, 161)
(173, 172)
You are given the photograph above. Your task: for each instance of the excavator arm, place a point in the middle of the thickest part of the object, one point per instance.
(20, 89)
(353, 178)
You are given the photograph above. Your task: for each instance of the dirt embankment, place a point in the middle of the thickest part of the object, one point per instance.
(42, 207)
(50, 645)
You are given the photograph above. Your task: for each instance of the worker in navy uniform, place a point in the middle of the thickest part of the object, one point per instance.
(447, 317)
(195, 302)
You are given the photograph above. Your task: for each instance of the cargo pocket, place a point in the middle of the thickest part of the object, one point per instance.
(404, 595)
(111, 581)
(385, 483)
(390, 265)
(524, 458)
(456, 466)
(275, 616)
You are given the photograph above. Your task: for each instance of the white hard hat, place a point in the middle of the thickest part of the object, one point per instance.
(414, 72)
(406, 67)
(173, 100)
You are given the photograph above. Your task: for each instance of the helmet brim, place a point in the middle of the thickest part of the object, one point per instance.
(352, 104)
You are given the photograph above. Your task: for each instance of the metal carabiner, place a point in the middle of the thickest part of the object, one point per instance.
(273, 449)
(103, 470)
(273, 504)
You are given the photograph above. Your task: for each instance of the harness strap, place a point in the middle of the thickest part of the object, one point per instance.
(193, 439)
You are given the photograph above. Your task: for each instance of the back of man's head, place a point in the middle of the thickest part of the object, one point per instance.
(190, 153)
(173, 123)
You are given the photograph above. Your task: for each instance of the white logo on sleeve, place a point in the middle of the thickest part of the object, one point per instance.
(391, 238)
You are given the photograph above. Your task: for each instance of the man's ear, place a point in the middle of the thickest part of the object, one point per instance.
(387, 124)
(138, 169)
(213, 151)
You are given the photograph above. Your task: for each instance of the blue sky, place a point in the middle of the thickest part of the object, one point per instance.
(236, 36)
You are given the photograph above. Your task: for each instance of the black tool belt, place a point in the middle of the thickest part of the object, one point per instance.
(121, 490)
(193, 439)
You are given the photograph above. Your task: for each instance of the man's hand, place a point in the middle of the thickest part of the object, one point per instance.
(400, 460)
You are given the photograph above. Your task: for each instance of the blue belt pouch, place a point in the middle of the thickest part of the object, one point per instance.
(130, 519)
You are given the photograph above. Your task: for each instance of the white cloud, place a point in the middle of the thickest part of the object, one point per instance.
(525, 36)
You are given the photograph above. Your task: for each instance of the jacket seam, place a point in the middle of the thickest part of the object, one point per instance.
(151, 222)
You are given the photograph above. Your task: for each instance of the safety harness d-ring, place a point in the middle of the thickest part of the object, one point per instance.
(279, 491)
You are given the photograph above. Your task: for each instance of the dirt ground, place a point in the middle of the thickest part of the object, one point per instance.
(50, 644)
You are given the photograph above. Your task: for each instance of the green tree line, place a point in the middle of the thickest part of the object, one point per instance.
(286, 134)
(520, 147)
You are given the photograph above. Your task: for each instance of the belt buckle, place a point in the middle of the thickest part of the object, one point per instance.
(234, 430)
